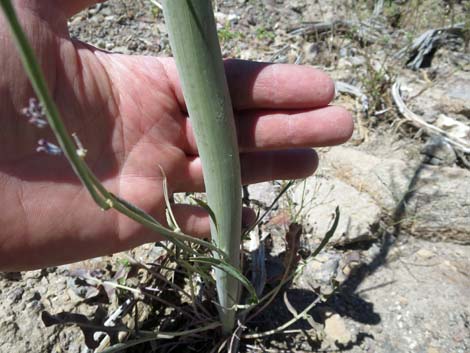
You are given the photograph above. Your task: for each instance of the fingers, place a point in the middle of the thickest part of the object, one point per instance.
(195, 220)
(265, 166)
(257, 167)
(279, 130)
(262, 85)
(286, 129)
(71, 7)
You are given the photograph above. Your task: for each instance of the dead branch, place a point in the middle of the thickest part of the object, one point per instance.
(456, 142)
(423, 47)
(356, 92)
(367, 31)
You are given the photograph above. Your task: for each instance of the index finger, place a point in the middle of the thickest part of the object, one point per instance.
(255, 85)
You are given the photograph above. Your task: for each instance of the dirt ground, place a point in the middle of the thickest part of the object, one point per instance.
(396, 276)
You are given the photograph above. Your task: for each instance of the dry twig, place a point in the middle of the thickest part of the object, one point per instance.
(456, 142)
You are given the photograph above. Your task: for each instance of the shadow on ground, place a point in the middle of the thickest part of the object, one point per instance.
(347, 300)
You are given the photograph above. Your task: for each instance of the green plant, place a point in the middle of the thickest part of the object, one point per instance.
(376, 82)
(264, 33)
(202, 73)
(75, 153)
(155, 11)
(193, 37)
(226, 33)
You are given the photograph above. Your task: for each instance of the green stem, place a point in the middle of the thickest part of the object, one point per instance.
(150, 336)
(39, 85)
(287, 324)
(193, 37)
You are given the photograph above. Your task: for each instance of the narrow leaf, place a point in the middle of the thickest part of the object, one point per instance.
(231, 270)
(170, 216)
(328, 234)
(205, 206)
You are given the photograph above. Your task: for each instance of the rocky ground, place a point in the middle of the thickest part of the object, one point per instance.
(396, 273)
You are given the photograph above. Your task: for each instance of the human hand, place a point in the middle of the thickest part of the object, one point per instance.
(129, 113)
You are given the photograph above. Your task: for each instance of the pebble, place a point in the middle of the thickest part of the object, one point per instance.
(16, 294)
(425, 254)
(336, 331)
(439, 152)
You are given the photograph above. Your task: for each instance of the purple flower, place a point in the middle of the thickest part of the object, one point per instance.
(49, 148)
(35, 113)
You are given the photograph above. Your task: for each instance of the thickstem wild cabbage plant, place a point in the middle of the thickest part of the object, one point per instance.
(193, 37)
(195, 44)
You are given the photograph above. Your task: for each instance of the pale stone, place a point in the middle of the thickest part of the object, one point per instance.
(317, 200)
(434, 200)
(425, 254)
(336, 331)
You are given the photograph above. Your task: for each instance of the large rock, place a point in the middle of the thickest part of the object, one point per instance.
(427, 201)
(23, 300)
(263, 194)
(450, 96)
(317, 200)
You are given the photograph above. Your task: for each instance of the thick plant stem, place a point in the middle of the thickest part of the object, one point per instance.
(194, 41)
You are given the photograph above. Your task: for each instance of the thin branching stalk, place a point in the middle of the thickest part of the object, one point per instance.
(40, 87)
(193, 37)
(150, 336)
(281, 328)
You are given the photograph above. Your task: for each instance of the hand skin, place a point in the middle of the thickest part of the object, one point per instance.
(129, 113)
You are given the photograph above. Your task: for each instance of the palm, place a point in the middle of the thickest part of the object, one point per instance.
(129, 114)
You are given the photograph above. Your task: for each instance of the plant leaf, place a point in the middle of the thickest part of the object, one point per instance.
(231, 270)
(169, 212)
(328, 234)
(205, 206)
(260, 218)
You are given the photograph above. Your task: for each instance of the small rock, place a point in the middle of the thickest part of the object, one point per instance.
(320, 272)
(439, 152)
(336, 331)
(311, 51)
(109, 45)
(269, 3)
(425, 254)
(16, 294)
(252, 20)
(263, 193)
(403, 301)
(133, 46)
(101, 44)
(222, 19)
(432, 350)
